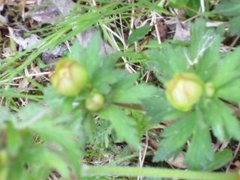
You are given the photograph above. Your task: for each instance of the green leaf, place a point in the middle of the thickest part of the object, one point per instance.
(231, 123)
(14, 140)
(48, 159)
(228, 7)
(175, 136)
(230, 91)
(122, 124)
(125, 91)
(200, 153)
(228, 69)
(127, 82)
(220, 159)
(105, 78)
(176, 58)
(178, 3)
(159, 109)
(194, 6)
(231, 9)
(30, 114)
(54, 103)
(138, 34)
(198, 31)
(168, 61)
(153, 6)
(89, 57)
(209, 57)
(204, 48)
(223, 121)
(90, 128)
(159, 65)
(93, 59)
(134, 94)
(190, 6)
(234, 25)
(142, 122)
(215, 120)
(63, 137)
(75, 52)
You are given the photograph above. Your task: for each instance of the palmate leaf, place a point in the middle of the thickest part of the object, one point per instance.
(230, 121)
(89, 57)
(64, 138)
(201, 56)
(134, 94)
(228, 69)
(126, 91)
(44, 160)
(167, 61)
(93, 59)
(176, 57)
(123, 125)
(198, 30)
(215, 121)
(158, 108)
(224, 123)
(175, 136)
(209, 56)
(221, 158)
(234, 25)
(230, 91)
(105, 78)
(158, 64)
(204, 49)
(107, 75)
(41, 161)
(200, 153)
(231, 9)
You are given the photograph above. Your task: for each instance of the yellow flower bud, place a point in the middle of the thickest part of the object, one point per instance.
(94, 102)
(184, 90)
(69, 77)
(209, 89)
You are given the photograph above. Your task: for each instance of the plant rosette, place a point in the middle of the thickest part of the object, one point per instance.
(184, 90)
(69, 77)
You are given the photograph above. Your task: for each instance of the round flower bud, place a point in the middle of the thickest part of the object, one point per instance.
(69, 77)
(184, 90)
(94, 102)
(209, 89)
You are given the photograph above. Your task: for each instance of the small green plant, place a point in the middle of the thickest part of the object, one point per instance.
(199, 83)
(84, 85)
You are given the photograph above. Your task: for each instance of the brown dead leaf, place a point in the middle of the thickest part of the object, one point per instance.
(178, 161)
(182, 32)
(24, 43)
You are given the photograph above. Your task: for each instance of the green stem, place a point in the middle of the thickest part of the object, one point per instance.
(154, 172)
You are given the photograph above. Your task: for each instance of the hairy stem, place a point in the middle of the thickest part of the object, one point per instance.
(154, 172)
